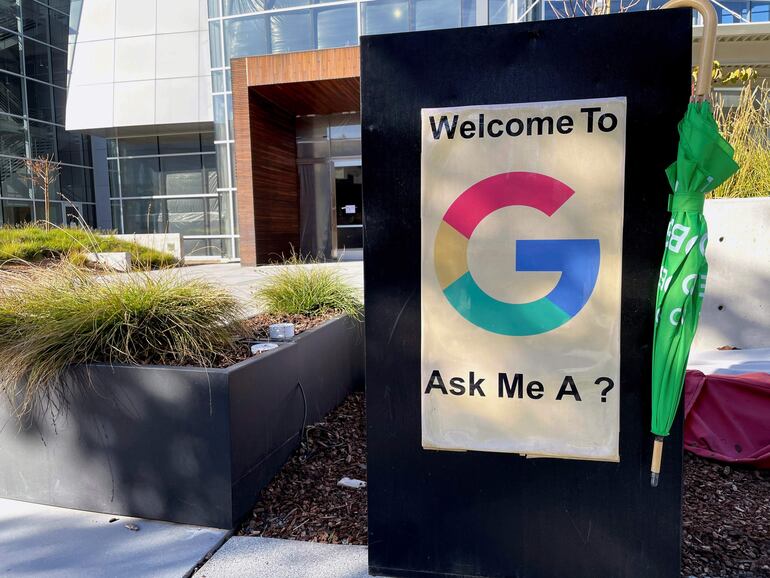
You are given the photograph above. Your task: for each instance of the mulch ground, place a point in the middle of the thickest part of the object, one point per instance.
(726, 511)
(304, 501)
(726, 520)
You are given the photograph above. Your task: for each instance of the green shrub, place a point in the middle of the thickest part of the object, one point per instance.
(55, 317)
(32, 243)
(308, 289)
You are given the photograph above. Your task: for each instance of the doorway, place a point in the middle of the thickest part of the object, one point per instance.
(348, 210)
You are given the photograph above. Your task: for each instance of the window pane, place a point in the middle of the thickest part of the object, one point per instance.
(207, 142)
(16, 212)
(138, 146)
(345, 126)
(55, 215)
(217, 81)
(14, 180)
(725, 12)
(220, 120)
(179, 143)
(59, 105)
(42, 139)
(245, 37)
(232, 7)
(59, 25)
(139, 177)
(223, 168)
(433, 14)
(386, 16)
(8, 13)
(291, 31)
(9, 52)
(112, 172)
(40, 101)
(12, 136)
(215, 39)
(760, 11)
(10, 94)
(70, 147)
(59, 67)
(182, 175)
(337, 27)
(72, 184)
(213, 8)
(35, 21)
(37, 60)
(210, 180)
(206, 247)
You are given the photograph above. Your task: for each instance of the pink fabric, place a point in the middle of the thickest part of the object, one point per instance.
(727, 417)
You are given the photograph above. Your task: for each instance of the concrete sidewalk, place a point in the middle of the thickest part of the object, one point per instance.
(248, 557)
(38, 541)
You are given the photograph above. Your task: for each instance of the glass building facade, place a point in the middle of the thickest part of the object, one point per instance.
(168, 184)
(240, 28)
(33, 78)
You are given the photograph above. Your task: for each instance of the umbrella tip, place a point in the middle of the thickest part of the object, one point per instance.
(654, 478)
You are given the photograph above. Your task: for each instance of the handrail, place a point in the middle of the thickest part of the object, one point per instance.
(703, 86)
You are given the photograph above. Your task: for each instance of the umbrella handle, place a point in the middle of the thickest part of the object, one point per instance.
(657, 455)
(703, 86)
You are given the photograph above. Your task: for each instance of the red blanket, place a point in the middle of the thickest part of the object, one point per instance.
(727, 417)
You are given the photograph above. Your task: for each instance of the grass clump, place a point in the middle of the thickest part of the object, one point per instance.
(33, 243)
(747, 128)
(56, 317)
(305, 288)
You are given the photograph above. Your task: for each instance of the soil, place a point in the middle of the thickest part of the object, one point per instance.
(725, 518)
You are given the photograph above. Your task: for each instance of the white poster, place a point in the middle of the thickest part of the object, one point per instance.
(522, 224)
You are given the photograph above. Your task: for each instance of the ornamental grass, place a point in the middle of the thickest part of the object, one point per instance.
(302, 287)
(32, 243)
(62, 316)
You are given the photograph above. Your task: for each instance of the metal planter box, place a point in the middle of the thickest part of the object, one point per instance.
(182, 444)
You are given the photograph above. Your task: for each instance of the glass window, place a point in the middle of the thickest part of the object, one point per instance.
(8, 12)
(291, 31)
(16, 212)
(232, 7)
(433, 14)
(206, 247)
(207, 142)
(63, 5)
(10, 94)
(14, 179)
(182, 175)
(760, 11)
(37, 61)
(217, 81)
(40, 101)
(213, 8)
(275, 4)
(469, 12)
(35, 21)
(215, 39)
(220, 120)
(112, 147)
(245, 37)
(70, 147)
(55, 214)
(42, 139)
(345, 126)
(59, 25)
(72, 184)
(59, 105)
(210, 180)
(179, 143)
(112, 172)
(336, 26)
(223, 168)
(12, 136)
(386, 16)
(10, 58)
(59, 67)
(140, 177)
(728, 12)
(138, 146)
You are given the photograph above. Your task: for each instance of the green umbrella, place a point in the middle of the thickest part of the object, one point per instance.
(704, 161)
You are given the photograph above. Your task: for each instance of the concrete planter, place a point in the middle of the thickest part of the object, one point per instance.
(182, 444)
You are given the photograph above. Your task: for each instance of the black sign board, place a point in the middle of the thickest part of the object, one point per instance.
(442, 513)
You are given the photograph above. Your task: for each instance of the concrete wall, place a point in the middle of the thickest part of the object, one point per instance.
(138, 63)
(736, 309)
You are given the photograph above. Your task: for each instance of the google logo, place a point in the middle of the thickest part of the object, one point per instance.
(576, 259)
